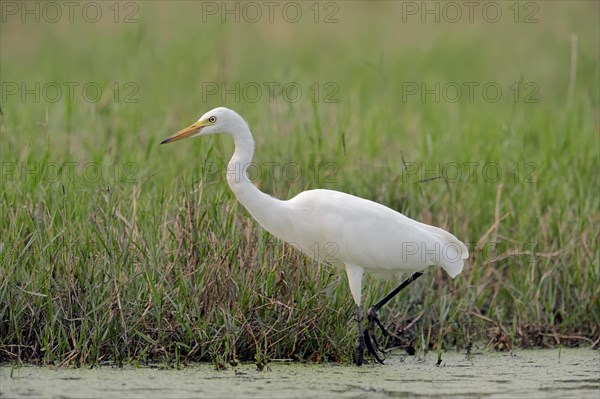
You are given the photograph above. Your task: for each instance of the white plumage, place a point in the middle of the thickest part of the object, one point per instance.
(346, 231)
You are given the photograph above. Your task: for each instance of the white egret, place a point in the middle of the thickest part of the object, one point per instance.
(349, 232)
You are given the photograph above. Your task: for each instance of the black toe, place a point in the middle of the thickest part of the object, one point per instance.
(371, 347)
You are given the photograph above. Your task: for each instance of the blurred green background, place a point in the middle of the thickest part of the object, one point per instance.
(482, 120)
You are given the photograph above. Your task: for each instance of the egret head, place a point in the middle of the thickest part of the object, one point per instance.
(218, 120)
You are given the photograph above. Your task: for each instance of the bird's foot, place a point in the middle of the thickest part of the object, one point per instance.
(373, 346)
(365, 340)
(370, 338)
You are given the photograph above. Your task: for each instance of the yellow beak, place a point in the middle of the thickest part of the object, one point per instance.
(187, 132)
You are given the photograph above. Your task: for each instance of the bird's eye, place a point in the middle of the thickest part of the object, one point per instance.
(212, 119)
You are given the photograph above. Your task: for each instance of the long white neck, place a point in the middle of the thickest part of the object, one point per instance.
(263, 207)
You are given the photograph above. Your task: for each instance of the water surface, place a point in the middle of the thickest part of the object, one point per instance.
(573, 373)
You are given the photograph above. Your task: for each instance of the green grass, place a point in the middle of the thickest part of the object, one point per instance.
(157, 261)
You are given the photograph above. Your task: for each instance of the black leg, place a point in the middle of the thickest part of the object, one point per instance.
(373, 317)
(360, 349)
(375, 308)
